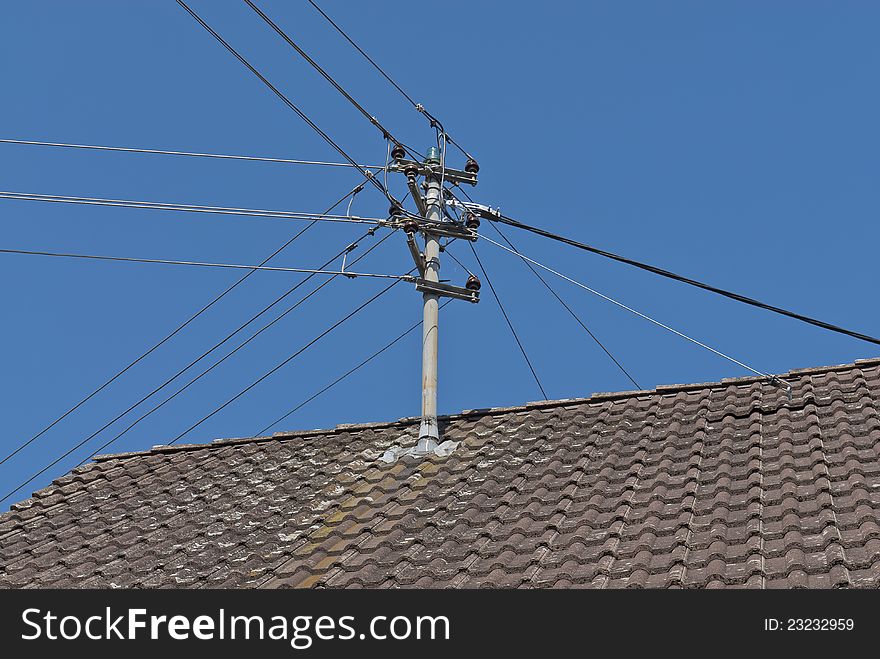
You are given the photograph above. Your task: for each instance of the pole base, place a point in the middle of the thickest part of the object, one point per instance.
(429, 436)
(426, 446)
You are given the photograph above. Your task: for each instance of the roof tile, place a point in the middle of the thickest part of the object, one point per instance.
(728, 484)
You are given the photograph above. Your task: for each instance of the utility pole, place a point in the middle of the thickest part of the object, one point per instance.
(429, 434)
(433, 225)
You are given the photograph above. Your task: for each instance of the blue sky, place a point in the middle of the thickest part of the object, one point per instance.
(735, 143)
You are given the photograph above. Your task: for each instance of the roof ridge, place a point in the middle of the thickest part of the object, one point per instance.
(663, 389)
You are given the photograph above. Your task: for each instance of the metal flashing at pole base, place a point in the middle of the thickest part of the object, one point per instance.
(426, 444)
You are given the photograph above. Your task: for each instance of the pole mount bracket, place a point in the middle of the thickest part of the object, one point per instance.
(448, 230)
(447, 290)
(423, 169)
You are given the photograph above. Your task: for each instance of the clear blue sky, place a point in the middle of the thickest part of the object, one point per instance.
(736, 143)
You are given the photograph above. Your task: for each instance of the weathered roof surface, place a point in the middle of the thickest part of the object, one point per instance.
(706, 485)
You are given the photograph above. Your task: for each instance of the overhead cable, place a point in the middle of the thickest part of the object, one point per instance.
(190, 154)
(287, 360)
(189, 208)
(372, 119)
(509, 324)
(386, 134)
(567, 308)
(418, 106)
(217, 363)
(128, 259)
(229, 354)
(367, 174)
(686, 280)
(178, 329)
(168, 381)
(345, 375)
(762, 374)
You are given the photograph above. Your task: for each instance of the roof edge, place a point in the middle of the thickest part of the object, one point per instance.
(464, 414)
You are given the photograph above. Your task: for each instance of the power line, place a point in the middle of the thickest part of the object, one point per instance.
(435, 123)
(567, 308)
(366, 56)
(287, 360)
(386, 134)
(127, 259)
(509, 324)
(178, 329)
(418, 106)
(459, 263)
(290, 104)
(772, 378)
(190, 154)
(229, 354)
(187, 367)
(189, 208)
(686, 280)
(345, 375)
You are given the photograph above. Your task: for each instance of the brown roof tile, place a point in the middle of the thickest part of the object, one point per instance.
(729, 484)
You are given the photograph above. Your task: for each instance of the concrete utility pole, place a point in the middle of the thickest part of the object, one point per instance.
(429, 434)
(431, 222)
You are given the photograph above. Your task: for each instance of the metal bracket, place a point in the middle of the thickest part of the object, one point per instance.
(451, 175)
(418, 257)
(486, 212)
(447, 290)
(416, 195)
(447, 230)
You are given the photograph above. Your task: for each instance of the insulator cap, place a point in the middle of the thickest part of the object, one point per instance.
(397, 152)
(410, 227)
(472, 284)
(411, 171)
(471, 221)
(433, 157)
(471, 166)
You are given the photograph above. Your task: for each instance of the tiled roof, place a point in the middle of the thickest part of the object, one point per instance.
(705, 485)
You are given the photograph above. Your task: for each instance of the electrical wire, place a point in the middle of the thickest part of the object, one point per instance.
(345, 375)
(189, 208)
(128, 259)
(229, 354)
(442, 140)
(507, 320)
(366, 56)
(441, 132)
(190, 154)
(685, 280)
(386, 134)
(418, 106)
(459, 263)
(204, 372)
(434, 122)
(190, 365)
(762, 374)
(302, 115)
(177, 330)
(567, 308)
(287, 360)
(367, 174)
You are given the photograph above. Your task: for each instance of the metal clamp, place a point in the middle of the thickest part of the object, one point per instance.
(447, 290)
